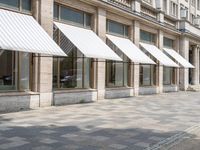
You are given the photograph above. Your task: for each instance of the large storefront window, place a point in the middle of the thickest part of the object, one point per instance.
(147, 72)
(147, 75)
(168, 72)
(72, 71)
(168, 76)
(15, 71)
(72, 16)
(20, 5)
(117, 72)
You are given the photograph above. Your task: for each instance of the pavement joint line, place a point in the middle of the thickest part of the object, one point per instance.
(173, 140)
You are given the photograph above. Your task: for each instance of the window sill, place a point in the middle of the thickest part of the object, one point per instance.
(15, 93)
(148, 86)
(60, 91)
(170, 85)
(118, 88)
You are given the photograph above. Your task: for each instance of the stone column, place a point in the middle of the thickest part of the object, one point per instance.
(160, 67)
(195, 61)
(176, 45)
(136, 67)
(184, 73)
(101, 68)
(45, 62)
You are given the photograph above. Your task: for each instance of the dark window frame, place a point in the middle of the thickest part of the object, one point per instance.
(125, 33)
(18, 8)
(85, 16)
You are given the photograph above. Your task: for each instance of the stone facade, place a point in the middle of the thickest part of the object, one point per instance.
(138, 15)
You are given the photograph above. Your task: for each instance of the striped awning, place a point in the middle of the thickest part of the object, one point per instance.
(20, 32)
(87, 42)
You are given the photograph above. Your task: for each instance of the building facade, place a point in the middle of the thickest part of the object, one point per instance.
(95, 49)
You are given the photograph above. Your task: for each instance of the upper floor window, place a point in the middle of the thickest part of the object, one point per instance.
(168, 42)
(165, 5)
(198, 4)
(174, 9)
(72, 16)
(148, 1)
(20, 5)
(192, 18)
(147, 37)
(117, 28)
(193, 2)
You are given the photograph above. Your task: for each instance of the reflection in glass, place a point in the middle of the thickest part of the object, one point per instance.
(72, 71)
(24, 71)
(10, 3)
(71, 15)
(7, 71)
(147, 75)
(26, 5)
(168, 74)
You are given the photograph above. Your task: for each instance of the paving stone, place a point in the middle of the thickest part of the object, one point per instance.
(118, 146)
(129, 123)
(48, 141)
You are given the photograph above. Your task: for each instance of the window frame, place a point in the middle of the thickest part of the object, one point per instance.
(172, 70)
(17, 69)
(19, 8)
(125, 28)
(85, 15)
(91, 71)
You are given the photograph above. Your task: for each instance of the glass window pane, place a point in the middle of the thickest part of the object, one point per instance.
(71, 70)
(26, 5)
(115, 27)
(168, 42)
(88, 20)
(147, 37)
(72, 15)
(10, 3)
(167, 75)
(24, 71)
(7, 71)
(55, 73)
(87, 64)
(126, 31)
(146, 75)
(55, 11)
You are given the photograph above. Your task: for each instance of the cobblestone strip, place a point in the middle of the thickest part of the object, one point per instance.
(168, 143)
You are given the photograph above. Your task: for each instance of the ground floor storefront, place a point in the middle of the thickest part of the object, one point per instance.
(138, 123)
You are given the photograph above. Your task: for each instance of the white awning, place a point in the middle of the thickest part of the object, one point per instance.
(87, 42)
(178, 58)
(130, 50)
(159, 55)
(19, 32)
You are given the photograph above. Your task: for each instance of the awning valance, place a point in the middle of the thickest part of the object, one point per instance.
(159, 55)
(19, 32)
(87, 42)
(178, 58)
(130, 50)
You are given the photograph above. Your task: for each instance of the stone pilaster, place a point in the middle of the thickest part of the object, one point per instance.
(101, 31)
(45, 62)
(195, 62)
(136, 72)
(184, 72)
(177, 72)
(160, 67)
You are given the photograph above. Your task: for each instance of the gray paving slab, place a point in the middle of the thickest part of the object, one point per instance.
(135, 123)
